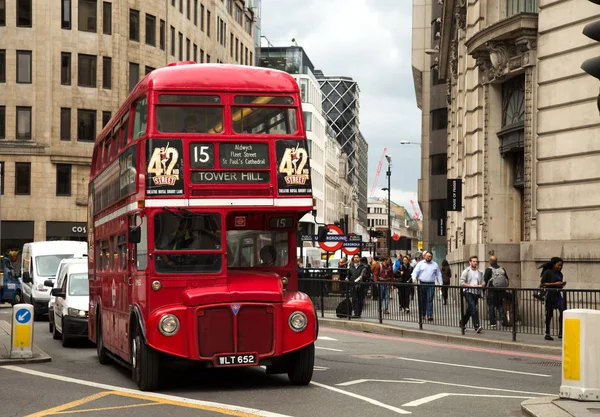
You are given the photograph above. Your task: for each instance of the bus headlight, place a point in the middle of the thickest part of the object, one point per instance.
(168, 325)
(298, 321)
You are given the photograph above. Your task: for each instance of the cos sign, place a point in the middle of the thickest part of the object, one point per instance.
(79, 229)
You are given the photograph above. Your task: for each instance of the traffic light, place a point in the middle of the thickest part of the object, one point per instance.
(592, 65)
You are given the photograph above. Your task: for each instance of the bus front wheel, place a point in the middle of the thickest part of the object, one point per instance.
(302, 363)
(146, 363)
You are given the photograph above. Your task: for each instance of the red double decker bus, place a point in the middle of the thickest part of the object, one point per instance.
(197, 185)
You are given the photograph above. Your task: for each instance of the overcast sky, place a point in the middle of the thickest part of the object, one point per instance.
(370, 41)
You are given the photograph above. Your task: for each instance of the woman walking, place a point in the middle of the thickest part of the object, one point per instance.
(446, 276)
(403, 277)
(552, 279)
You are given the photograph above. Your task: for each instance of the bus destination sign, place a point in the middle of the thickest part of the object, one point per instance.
(293, 167)
(244, 155)
(165, 167)
(230, 177)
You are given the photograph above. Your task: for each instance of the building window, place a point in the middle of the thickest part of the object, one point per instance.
(24, 13)
(86, 70)
(22, 178)
(134, 25)
(250, 58)
(238, 15)
(3, 13)
(172, 33)
(195, 49)
(248, 26)
(438, 164)
(24, 123)
(187, 11)
(187, 49)
(65, 124)
(65, 68)
(87, 15)
(196, 12)
(106, 115)
(201, 17)
(180, 46)
(150, 30)
(63, 179)
(237, 45)
(231, 44)
(2, 163)
(308, 121)
(439, 119)
(521, 6)
(86, 125)
(2, 122)
(107, 18)
(229, 6)
(303, 90)
(245, 56)
(65, 14)
(207, 58)
(181, 6)
(162, 34)
(208, 23)
(2, 65)
(201, 56)
(134, 75)
(148, 70)
(106, 72)
(24, 67)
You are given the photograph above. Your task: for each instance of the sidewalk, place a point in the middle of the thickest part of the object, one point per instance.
(492, 339)
(5, 333)
(556, 407)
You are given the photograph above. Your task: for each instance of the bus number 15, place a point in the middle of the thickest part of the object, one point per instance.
(202, 156)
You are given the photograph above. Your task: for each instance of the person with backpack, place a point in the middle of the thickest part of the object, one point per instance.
(496, 280)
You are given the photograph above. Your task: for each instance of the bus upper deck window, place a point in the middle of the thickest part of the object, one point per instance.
(264, 115)
(189, 114)
(141, 116)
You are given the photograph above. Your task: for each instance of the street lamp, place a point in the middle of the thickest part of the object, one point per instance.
(406, 142)
(389, 219)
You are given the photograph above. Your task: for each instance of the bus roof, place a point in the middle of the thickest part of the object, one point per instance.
(217, 77)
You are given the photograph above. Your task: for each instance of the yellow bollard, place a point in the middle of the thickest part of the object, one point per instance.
(22, 331)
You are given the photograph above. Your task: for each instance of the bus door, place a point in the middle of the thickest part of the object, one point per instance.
(121, 278)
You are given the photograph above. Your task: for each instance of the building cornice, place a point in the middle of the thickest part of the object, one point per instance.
(447, 36)
(514, 27)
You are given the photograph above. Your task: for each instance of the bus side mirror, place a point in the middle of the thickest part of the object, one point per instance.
(322, 234)
(135, 234)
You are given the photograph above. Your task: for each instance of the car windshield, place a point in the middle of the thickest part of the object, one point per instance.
(78, 285)
(257, 248)
(47, 265)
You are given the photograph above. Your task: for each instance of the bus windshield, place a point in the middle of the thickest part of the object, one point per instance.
(257, 248)
(178, 232)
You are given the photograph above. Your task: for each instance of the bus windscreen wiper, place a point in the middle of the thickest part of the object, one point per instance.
(173, 212)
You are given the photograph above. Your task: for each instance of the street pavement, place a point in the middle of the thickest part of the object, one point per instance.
(356, 374)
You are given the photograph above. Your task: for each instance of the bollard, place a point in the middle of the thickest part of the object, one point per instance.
(22, 331)
(581, 364)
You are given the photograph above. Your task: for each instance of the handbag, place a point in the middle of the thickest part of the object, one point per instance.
(541, 293)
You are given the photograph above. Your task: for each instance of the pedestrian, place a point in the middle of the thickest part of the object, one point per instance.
(299, 268)
(496, 280)
(446, 277)
(386, 277)
(426, 274)
(472, 279)
(402, 276)
(375, 270)
(552, 279)
(357, 274)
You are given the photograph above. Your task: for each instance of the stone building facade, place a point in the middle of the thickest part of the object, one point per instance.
(64, 70)
(522, 135)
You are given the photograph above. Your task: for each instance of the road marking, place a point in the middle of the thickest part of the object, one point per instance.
(360, 397)
(231, 410)
(360, 381)
(431, 398)
(478, 387)
(66, 406)
(116, 407)
(445, 345)
(320, 368)
(332, 349)
(326, 338)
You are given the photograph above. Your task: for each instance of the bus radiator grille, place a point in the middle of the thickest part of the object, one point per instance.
(215, 331)
(255, 329)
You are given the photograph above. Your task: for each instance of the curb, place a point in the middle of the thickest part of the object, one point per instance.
(383, 329)
(39, 356)
(543, 407)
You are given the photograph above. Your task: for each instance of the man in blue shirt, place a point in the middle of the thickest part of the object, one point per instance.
(426, 274)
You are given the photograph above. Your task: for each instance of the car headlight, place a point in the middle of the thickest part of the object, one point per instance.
(74, 312)
(168, 325)
(42, 288)
(298, 321)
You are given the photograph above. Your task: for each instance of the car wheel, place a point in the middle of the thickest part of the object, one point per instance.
(18, 298)
(64, 339)
(55, 333)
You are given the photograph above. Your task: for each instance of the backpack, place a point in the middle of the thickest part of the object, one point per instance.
(499, 279)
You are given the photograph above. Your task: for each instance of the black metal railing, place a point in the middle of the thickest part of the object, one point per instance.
(516, 310)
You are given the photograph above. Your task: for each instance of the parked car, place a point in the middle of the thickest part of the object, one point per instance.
(54, 281)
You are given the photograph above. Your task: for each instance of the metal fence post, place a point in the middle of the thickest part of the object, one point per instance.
(513, 313)
(463, 326)
(323, 299)
(347, 291)
(419, 295)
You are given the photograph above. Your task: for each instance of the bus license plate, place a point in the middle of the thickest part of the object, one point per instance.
(247, 359)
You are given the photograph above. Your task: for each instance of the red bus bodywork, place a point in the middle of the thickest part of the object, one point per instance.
(225, 309)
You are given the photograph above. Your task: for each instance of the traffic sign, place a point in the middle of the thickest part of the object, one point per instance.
(396, 236)
(22, 331)
(23, 316)
(350, 251)
(333, 246)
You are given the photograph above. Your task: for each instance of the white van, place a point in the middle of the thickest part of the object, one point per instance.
(39, 261)
(72, 294)
(52, 283)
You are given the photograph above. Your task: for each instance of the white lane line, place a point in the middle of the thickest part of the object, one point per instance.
(228, 407)
(480, 368)
(327, 338)
(431, 398)
(360, 381)
(478, 387)
(332, 349)
(360, 397)
(320, 368)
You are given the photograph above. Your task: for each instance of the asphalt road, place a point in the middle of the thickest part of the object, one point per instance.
(356, 374)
